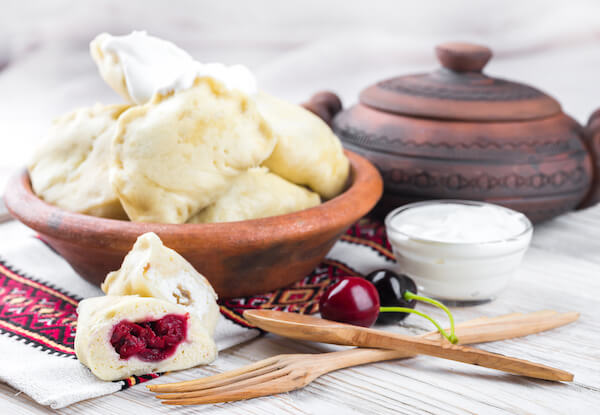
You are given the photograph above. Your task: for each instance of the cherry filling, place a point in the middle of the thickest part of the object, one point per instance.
(150, 340)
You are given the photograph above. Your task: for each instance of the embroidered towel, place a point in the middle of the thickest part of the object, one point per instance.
(39, 293)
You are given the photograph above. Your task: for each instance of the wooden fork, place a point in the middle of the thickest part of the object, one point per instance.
(284, 373)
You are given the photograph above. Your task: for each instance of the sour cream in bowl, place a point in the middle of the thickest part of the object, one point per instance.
(463, 252)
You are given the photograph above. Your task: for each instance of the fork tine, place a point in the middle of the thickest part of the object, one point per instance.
(229, 380)
(199, 383)
(268, 388)
(267, 377)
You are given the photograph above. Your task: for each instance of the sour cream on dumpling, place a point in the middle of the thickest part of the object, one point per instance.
(138, 66)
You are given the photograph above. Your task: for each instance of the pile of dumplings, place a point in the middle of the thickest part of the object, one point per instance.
(205, 153)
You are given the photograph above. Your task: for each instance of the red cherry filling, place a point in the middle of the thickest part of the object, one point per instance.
(150, 340)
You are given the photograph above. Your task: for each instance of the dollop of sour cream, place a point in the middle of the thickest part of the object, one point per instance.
(459, 223)
(152, 65)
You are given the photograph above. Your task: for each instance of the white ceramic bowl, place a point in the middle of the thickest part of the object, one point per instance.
(459, 273)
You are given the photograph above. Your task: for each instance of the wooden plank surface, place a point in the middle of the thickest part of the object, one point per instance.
(554, 275)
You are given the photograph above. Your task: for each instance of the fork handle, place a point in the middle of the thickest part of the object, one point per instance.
(473, 331)
(464, 354)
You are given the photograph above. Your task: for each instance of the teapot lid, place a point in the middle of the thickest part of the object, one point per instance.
(460, 91)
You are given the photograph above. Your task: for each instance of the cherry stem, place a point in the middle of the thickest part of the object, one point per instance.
(412, 296)
(451, 338)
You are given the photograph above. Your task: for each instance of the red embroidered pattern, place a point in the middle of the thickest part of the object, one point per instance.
(37, 313)
(369, 232)
(44, 316)
(302, 297)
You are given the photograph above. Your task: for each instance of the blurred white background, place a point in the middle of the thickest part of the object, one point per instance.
(294, 47)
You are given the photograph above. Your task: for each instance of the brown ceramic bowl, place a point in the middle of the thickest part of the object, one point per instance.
(239, 258)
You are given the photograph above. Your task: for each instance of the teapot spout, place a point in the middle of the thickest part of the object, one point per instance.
(591, 137)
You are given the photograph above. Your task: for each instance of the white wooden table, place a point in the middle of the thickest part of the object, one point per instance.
(296, 51)
(561, 271)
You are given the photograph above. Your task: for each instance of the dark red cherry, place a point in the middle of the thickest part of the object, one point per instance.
(391, 288)
(352, 300)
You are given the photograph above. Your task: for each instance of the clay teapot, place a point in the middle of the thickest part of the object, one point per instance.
(457, 133)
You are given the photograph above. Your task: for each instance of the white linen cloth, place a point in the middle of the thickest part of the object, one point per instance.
(58, 380)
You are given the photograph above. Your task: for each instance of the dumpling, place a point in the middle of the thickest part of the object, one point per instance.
(71, 168)
(109, 66)
(120, 336)
(255, 194)
(151, 269)
(178, 153)
(307, 152)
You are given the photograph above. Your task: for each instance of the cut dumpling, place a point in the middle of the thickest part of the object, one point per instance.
(151, 269)
(177, 154)
(307, 152)
(120, 336)
(255, 194)
(71, 168)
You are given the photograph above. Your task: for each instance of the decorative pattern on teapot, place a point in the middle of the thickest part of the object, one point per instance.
(457, 133)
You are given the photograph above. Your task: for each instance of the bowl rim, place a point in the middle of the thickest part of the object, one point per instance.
(390, 228)
(365, 189)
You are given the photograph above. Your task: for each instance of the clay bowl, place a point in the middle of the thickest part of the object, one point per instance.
(239, 258)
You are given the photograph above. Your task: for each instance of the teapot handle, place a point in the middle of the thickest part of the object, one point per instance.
(591, 137)
(324, 104)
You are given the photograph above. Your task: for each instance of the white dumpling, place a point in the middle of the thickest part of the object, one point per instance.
(178, 153)
(255, 194)
(307, 152)
(109, 66)
(151, 269)
(71, 167)
(120, 336)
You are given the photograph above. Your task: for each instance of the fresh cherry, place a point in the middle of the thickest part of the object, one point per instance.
(352, 300)
(391, 288)
(355, 300)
